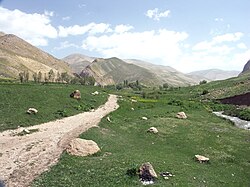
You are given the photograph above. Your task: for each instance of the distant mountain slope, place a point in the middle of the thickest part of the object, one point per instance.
(213, 74)
(113, 71)
(165, 74)
(246, 68)
(78, 61)
(17, 55)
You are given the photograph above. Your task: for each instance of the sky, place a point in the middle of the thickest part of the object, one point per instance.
(188, 35)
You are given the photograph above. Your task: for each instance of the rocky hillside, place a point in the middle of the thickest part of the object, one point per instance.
(213, 74)
(17, 55)
(78, 62)
(165, 74)
(246, 68)
(114, 70)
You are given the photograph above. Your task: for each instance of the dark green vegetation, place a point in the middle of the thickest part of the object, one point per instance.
(51, 100)
(125, 144)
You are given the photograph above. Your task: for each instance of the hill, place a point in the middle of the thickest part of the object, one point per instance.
(165, 74)
(114, 70)
(213, 74)
(78, 62)
(17, 55)
(246, 68)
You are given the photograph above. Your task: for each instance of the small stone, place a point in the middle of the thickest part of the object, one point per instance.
(26, 131)
(181, 115)
(133, 101)
(95, 93)
(108, 119)
(32, 111)
(153, 130)
(76, 94)
(201, 158)
(132, 109)
(144, 118)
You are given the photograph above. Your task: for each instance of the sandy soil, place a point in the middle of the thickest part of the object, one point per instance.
(23, 158)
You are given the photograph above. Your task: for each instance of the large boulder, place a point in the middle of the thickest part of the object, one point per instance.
(201, 159)
(76, 94)
(81, 147)
(147, 172)
(181, 115)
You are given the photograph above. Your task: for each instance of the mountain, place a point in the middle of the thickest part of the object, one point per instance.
(165, 74)
(78, 62)
(17, 55)
(246, 68)
(114, 70)
(213, 74)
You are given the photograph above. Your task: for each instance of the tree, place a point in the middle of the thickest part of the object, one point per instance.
(21, 77)
(35, 77)
(45, 77)
(137, 83)
(58, 77)
(26, 76)
(203, 82)
(39, 77)
(165, 85)
(65, 77)
(51, 75)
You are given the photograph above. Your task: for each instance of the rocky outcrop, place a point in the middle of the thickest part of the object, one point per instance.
(246, 68)
(76, 94)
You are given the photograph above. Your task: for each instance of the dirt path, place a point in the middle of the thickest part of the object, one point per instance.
(23, 158)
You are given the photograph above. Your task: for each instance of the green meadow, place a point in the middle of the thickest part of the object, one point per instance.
(51, 100)
(125, 144)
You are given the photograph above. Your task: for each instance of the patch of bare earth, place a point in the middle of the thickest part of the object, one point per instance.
(23, 158)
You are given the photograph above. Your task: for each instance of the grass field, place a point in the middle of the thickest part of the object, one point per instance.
(125, 145)
(51, 100)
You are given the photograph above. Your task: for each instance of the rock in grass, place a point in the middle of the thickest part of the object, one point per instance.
(152, 130)
(144, 118)
(147, 173)
(181, 115)
(76, 94)
(95, 93)
(108, 119)
(32, 111)
(202, 159)
(81, 147)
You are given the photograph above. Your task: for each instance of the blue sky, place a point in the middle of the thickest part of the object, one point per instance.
(187, 35)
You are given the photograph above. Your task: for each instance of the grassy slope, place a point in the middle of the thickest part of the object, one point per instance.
(171, 150)
(52, 102)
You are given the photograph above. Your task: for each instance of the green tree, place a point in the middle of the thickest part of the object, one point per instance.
(39, 77)
(21, 77)
(51, 75)
(35, 77)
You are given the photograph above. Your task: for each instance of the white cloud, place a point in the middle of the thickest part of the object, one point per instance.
(91, 28)
(66, 18)
(66, 44)
(219, 19)
(35, 28)
(229, 37)
(123, 28)
(156, 15)
(151, 45)
(242, 46)
(48, 13)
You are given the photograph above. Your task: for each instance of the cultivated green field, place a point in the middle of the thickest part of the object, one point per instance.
(51, 100)
(125, 145)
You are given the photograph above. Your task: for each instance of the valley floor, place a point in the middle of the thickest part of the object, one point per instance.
(25, 157)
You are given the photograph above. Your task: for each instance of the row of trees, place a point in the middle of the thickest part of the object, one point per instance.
(53, 77)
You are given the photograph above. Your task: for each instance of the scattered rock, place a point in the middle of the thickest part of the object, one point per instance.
(95, 93)
(202, 159)
(144, 118)
(152, 130)
(132, 109)
(32, 111)
(166, 175)
(81, 147)
(76, 94)
(108, 119)
(133, 101)
(26, 131)
(147, 173)
(181, 115)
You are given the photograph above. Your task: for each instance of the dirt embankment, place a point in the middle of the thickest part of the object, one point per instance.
(243, 99)
(23, 158)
